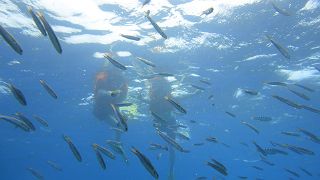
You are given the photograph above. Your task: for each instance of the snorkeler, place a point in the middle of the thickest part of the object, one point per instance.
(159, 106)
(110, 88)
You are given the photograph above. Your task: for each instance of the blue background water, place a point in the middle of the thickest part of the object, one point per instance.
(73, 72)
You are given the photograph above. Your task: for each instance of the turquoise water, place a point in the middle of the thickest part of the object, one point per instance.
(225, 53)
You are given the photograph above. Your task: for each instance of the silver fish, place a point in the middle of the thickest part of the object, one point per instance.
(251, 127)
(41, 120)
(207, 11)
(54, 165)
(117, 147)
(17, 122)
(72, 148)
(114, 62)
(301, 95)
(279, 10)
(171, 141)
(147, 62)
(130, 37)
(304, 87)
(48, 89)
(35, 173)
(145, 2)
(145, 162)
(155, 25)
(25, 120)
(52, 36)
(287, 101)
(10, 40)
(17, 94)
(121, 118)
(37, 21)
(176, 105)
(280, 48)
(99, 157)
(104, 151)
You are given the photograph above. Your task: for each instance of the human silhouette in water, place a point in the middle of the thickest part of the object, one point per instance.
(110, 87)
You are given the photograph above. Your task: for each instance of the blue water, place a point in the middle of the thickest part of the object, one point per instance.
(228, 48)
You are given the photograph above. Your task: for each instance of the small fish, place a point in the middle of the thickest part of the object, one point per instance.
(251, 127)
(263, 159)
(279, 10)
(219, 164)
(301, 95)
(72, 148)
(117, 129)
(243, 177)
(271, 151)
(52, 36)
(259, 149)
(54, 165)
(311, 109)
(121, 118)
(292, 172)
(99, 157)
(276, 83)
(145, 162)
(10, 40)
(48, 89)
(207, 11)
(125, 104)
(290, 133)
(103, 151)
(198, 144)
(164, 74)
(17, 122)
(41, 120)
(212, 139)
(218, 168)
(210, 97)
(154, 146)
(244, 144)
(145, 2)
(230, 114)
(201, 178)
(172, 142)
(312, 136)
(37, 21)
(176, 105)
(198, 87)
(130, 37)
(280, 48)
(35, 173)
(114, 62)
(305, 171)
(205, 82)
(299, 150)
(183, 136)
(17, 94)
(147, 62)
(155, 25)
(25, 120)
(262, 118)
(287, 101)
(117, 147)
(157, 117)
(250, 92)
(258, 168)
(304, 87)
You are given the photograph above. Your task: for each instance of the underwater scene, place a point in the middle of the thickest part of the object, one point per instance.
(159, 89)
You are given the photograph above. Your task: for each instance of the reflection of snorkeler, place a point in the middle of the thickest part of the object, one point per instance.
(110, 88)
(160, 88)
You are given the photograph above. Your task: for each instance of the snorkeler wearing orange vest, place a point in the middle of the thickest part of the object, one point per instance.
(110, 88)
(159, 88)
